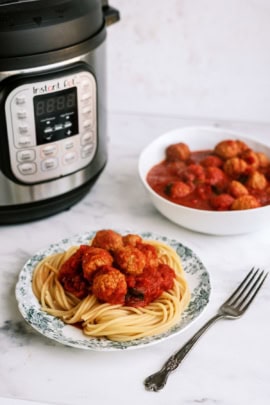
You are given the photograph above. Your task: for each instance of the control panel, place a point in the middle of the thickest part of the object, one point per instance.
(52, 126)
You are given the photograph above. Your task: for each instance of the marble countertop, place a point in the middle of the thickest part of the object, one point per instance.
(227, 366)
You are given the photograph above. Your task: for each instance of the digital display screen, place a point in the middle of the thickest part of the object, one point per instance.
(56, 115)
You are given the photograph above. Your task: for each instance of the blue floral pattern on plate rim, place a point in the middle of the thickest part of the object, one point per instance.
(197, 276)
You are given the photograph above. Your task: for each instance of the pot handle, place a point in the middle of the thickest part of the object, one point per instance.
(111, 15)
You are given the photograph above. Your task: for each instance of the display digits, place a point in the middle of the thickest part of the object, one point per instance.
(40, 108)
(54, 104)
(60, 103)
(50, 105)
(71, 100)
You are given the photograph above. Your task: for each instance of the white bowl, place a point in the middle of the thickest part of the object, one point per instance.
(209, 222)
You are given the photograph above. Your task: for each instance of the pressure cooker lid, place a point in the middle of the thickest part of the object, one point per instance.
(28, 27)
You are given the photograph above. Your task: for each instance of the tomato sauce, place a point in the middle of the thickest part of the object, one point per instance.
(193, 184)
(136, 280)
(148, 286)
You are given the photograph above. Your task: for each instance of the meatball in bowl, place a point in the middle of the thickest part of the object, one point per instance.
(209, 180)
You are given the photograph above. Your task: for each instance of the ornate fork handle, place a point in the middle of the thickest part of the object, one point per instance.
(157, 381)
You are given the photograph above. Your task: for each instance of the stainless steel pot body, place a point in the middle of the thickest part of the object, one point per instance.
(53, 121)
(13, 192)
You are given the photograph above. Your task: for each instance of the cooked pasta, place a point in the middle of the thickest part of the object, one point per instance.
(115, 322)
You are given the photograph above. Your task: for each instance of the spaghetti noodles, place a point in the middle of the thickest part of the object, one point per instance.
(114, 322)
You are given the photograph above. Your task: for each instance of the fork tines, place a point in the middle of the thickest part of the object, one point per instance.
(247, 290)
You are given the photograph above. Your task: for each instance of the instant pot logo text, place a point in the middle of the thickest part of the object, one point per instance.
(49, 88)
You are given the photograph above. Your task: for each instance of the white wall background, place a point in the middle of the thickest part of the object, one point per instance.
(191, 58)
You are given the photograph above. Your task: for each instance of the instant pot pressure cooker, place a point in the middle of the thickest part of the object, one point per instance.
(52, 104)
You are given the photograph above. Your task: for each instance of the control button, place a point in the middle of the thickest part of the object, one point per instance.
(49, 164)
(48, 150)
(23, 129)
(68, 124)
(85, 84)
(69, 158)
(87, 151)
(27, 168)
(58, 127)
(87, 123)
(26, 155)
(87, 138)
(48, 130)
(70, 144)
(48, 136)
(86, 96)
(24, 142)
(86, 109)
(21, 114)
(19, 100)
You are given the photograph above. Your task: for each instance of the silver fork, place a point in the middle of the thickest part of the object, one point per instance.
(234, 307)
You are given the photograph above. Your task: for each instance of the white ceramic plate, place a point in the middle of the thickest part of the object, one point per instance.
(209, 222)
(53, 328)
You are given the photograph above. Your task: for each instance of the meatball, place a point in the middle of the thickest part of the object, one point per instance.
(251, 159)
(176, 167)
(235, 167)
(94, 258)
(178, 151)
(237, 189)
(144, 288)
(107, 239)
(211, 160)
(227, 149)
(222, 202)
(150, 253)
(178, 189)
(148, 286)
(242, 146)
(130, 259)
(71, 275)
(267, 173)
(109, 285)
(214, 176)
(245, 202)
(194, 173)
(257, 181)
(131, 239)
(263, 159)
